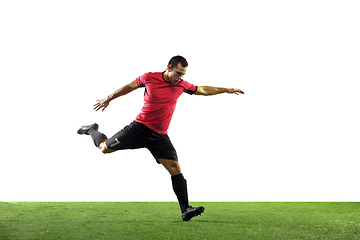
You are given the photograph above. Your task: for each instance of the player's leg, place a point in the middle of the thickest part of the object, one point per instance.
(127, 138)
(180, 189)
(98, 137)
(165, 153)
(178, 182)
(92, 130)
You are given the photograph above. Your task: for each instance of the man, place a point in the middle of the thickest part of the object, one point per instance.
(149, 129)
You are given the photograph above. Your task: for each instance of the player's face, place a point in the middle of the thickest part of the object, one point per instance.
(176, 73)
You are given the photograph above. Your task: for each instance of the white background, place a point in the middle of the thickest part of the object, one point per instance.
(293, 136)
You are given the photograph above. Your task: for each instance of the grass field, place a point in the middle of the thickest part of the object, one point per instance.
(162, 220)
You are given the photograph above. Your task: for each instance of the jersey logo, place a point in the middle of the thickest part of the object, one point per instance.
(114, 144)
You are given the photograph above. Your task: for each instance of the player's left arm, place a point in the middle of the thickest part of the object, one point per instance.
(208, 91)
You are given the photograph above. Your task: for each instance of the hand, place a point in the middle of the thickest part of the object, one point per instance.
(234, 90)
(101, 104)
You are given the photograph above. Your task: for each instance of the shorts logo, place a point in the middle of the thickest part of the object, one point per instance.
(114, 144)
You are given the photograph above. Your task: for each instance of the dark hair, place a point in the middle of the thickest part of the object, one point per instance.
(174, 61)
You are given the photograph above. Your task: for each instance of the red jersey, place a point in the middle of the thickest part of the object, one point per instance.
(160, 100)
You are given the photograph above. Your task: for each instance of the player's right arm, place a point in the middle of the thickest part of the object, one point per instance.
(103, 103)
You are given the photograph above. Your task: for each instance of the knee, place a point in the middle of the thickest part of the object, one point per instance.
(176, 167)
(172, 166)
(175, 170)
(104, 149)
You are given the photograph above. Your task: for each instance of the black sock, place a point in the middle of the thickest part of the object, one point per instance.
(97, 136)
(180, 189)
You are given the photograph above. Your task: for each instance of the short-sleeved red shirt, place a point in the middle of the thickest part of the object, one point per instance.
(160, 100)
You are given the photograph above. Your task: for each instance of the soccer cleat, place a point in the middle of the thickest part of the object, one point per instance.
(85, 129)
(191, 212)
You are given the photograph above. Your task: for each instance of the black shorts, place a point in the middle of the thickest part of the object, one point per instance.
(137, 135)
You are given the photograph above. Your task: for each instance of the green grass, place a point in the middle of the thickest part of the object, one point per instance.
(162, 220)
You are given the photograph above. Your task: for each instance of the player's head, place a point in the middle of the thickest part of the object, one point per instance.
(177, 68)
(174, 61)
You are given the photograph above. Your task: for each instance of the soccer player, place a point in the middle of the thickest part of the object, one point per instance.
(149, 129)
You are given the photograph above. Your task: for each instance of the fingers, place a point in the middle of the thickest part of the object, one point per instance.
(100, 105)
(97, 106)
(235, 90)
(104, 107)
(240, 91)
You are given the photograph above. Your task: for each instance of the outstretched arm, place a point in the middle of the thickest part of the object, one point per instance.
(207, 90)
(103, 103)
